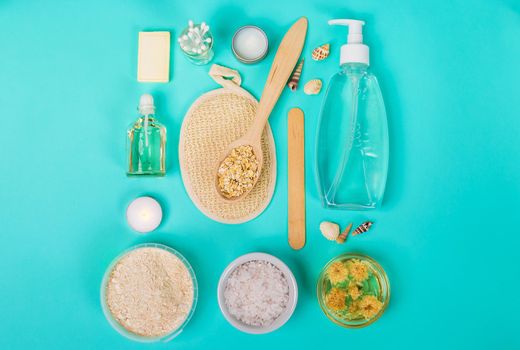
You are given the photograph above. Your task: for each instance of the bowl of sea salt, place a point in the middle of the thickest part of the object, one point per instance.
(257, 293)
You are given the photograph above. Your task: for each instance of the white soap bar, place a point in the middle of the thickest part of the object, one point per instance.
(153, 60)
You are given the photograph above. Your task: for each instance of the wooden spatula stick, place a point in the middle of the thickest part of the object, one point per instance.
(296, 178)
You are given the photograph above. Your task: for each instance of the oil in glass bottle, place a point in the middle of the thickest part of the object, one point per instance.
(146, 142)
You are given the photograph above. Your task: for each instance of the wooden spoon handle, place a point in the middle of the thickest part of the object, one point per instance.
(284, 62)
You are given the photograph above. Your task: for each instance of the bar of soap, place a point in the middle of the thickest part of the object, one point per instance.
(153, 60)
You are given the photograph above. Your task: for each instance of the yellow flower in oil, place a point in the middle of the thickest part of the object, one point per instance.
(369, 306)
(336, 299)
(358, 270)
(353, 308)
(354, 291)
(337, 272)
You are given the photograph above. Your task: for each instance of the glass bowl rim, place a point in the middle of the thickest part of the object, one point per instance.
(116, 325)
(377, 267)
(293, 292)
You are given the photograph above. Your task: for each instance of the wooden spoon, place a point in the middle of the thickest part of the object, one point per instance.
(284, 62)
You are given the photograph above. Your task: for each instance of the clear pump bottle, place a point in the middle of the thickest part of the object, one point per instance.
(352, 141)
(146, 142)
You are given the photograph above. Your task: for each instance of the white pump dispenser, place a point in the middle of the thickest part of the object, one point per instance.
(354, 51)
(146, 105)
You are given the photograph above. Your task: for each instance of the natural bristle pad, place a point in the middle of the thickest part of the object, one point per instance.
(296, 178)
(153, 59)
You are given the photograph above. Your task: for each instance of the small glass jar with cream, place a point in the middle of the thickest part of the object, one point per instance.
(250, 44)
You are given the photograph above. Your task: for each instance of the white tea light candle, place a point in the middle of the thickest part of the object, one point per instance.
(144, 214)
(250, 44)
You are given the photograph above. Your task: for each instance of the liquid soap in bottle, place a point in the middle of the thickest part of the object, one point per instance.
(146, 142)
(352, 141)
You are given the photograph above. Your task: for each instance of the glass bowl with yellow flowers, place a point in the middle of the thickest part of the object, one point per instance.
(353, 290)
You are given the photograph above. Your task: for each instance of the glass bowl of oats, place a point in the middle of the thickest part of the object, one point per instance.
(353, 290)
(149, 293)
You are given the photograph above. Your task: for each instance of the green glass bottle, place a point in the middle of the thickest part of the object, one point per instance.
(146, 142)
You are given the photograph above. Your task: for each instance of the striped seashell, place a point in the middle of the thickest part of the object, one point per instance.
(329, 230)
(295, 77)
(364, 227)
(313, 87)
(321, 52)
(343, 236)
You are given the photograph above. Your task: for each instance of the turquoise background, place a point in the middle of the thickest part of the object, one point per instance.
(447, 233)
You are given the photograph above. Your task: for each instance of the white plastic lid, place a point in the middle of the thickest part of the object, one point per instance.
(146, 105)
(354, 51)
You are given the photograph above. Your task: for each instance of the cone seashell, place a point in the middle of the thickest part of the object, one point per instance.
(343, 236)
(329, 230)
(295, 77)
(313, 87)
(321, 52)
(364, 227)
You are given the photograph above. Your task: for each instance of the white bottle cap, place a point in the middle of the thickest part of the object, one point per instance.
(354, 51)
(146, 105)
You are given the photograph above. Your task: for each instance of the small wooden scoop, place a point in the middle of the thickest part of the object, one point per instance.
(284, 62)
